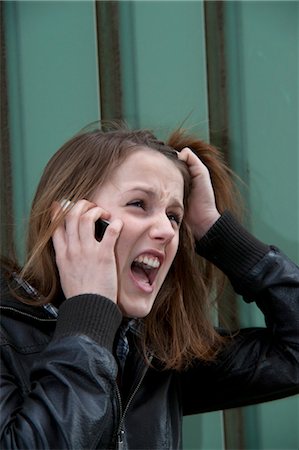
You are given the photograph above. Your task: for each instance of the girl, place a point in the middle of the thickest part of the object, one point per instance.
(107, 342)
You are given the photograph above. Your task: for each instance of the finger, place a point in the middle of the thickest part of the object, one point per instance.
(111, 236)
(183, 154)
(73, 217)
(188, 157)
(194, 163)
(87, 224)
(58, 212)
(58, 236)
(55, 211)
(66, 204)
(59, 239)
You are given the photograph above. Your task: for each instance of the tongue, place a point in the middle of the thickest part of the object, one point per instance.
(140, 274)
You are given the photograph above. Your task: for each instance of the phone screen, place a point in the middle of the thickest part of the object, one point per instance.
(100, 227)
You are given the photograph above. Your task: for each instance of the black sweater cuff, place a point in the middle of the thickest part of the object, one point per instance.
(91, 315)
(231, 247)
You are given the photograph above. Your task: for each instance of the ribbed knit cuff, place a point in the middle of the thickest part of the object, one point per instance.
(91, 315)
(231, 247)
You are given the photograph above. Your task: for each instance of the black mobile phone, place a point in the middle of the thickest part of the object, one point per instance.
(100, 227)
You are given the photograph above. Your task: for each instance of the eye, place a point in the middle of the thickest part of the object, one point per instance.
(177, 219)
(137, 204)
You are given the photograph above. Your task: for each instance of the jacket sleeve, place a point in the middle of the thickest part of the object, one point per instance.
(257, 364)
(69, 403)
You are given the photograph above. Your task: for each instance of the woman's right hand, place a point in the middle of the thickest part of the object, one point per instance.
(85, 265)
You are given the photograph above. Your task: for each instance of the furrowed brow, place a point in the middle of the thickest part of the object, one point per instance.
(152, 193)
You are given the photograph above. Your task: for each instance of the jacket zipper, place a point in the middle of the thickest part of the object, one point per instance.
(120, 430)
(9, 308)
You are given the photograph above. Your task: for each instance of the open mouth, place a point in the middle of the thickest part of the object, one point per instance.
(145, 268)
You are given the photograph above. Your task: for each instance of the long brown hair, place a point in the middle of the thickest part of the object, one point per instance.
(179, 326)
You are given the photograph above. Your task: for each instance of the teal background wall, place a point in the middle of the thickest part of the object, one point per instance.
(54, 91)
(53, 85)
(262, 48)
(163, 61)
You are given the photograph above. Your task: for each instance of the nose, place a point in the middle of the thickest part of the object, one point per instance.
(162, 229)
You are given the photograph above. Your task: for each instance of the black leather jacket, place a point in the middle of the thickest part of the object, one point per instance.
(58, 376)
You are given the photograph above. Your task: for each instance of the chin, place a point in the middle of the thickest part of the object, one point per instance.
(137, 310)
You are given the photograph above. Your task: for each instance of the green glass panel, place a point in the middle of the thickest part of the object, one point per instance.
(263, 80)
(53, 85)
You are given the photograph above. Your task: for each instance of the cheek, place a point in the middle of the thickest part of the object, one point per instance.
(172, 251)
(175, 246)
(124, 245)
(121, 253)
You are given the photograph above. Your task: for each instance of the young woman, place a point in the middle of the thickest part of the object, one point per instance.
(107, 342)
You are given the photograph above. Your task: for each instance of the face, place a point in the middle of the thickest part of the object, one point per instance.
(146, 193)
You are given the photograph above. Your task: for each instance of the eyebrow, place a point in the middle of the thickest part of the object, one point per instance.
(152, 193)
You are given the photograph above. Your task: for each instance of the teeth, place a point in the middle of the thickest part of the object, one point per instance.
(150, 262)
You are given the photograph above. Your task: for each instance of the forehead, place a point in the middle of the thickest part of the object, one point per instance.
(143, 172)
(150, 165)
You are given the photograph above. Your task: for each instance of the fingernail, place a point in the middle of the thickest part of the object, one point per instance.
(65, 204)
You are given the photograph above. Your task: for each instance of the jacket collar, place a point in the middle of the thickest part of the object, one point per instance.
(10, 305)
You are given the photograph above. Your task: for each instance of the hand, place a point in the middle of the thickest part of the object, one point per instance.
(202, 212)
(84, 264)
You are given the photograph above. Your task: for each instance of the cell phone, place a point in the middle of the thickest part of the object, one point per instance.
(100, 228)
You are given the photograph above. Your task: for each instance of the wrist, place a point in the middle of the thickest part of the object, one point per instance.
(231, 247)
(201, 229)
(89, 315)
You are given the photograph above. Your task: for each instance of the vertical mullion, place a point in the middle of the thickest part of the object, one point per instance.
(216, 74)
(233, 421)
(7, 248)
(107, 19)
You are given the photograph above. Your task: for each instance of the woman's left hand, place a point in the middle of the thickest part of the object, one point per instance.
(202, 211)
